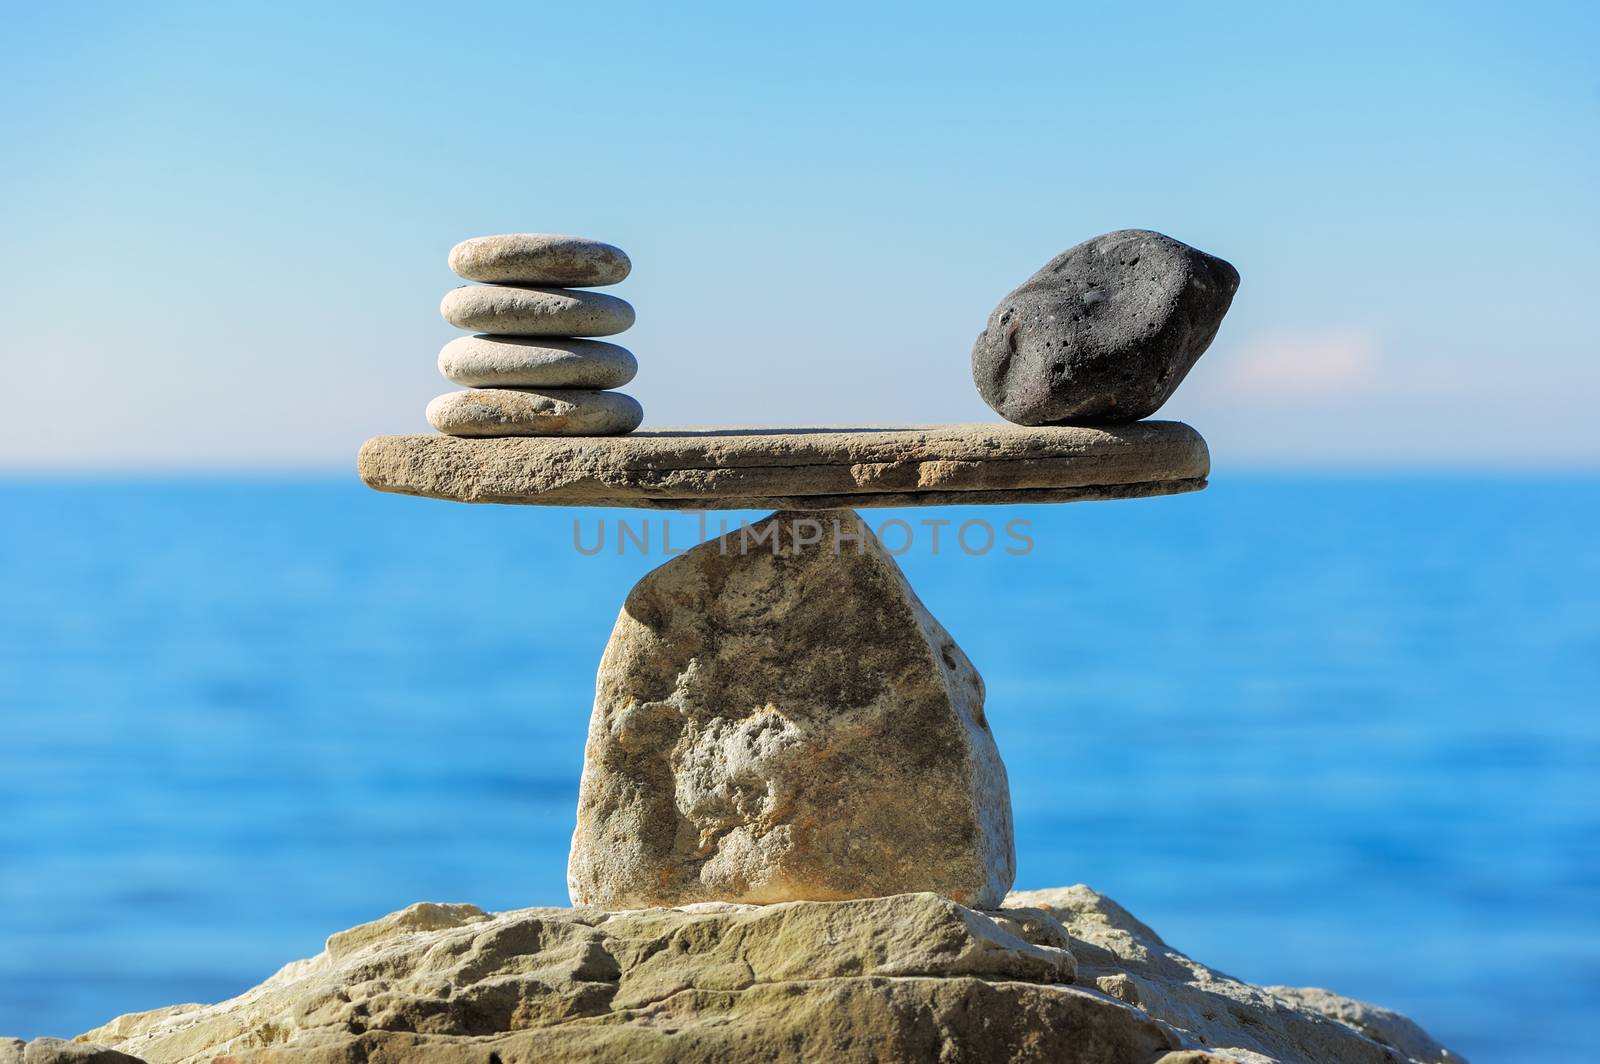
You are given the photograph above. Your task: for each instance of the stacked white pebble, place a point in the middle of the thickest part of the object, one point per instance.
(530, 372)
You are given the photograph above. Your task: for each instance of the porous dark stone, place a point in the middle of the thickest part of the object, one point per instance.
(1105, 332)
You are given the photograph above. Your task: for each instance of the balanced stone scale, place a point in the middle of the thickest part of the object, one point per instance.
(789, 723)
(793, 836)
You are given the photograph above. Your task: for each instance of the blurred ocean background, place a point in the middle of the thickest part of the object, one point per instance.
(1326, 731)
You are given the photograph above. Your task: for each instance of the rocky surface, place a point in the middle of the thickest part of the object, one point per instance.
(798, 468)
(59, 1051)
(535, 362)
(1061, 975)
(534, 412)
(1104, 332)
(1384, 1026)
(722, 765)
(522, 311)
(540, 259)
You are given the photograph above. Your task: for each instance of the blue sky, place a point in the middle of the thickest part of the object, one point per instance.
(226, 224)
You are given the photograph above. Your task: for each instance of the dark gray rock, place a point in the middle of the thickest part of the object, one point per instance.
(1106, 331)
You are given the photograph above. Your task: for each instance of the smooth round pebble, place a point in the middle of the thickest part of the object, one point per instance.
(539, 258)
(536, 362)
(535, 412)
(520, 311)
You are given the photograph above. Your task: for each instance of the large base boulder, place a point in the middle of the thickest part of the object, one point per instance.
(1061, 976)
(778, 718)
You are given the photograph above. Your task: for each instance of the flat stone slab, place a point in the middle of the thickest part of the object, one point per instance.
(798, 468)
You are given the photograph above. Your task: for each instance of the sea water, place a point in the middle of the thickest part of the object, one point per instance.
(1336, 732)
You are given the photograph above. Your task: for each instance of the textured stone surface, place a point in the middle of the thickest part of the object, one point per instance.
(539, 258)
(1384, 1026)
(534, 412)
(1104, 332)
(798, 468)
(1207, 1009)
(911, 978)
(59, 1051)
(522, 311)
(777, 717)
(535, 362)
